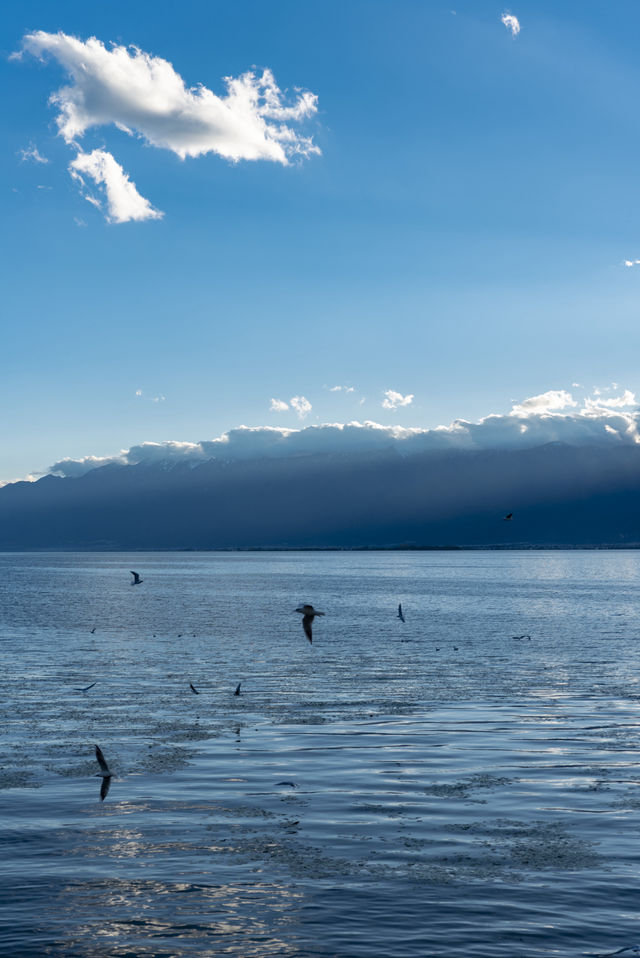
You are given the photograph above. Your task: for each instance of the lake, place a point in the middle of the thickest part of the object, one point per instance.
(464, 783)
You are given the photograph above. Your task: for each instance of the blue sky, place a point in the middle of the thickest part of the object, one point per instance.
(459, 239)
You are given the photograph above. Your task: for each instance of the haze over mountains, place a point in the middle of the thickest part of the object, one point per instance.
(570, 475)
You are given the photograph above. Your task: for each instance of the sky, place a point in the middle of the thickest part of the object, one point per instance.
(283, 215)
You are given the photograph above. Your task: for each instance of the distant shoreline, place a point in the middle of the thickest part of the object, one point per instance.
(518, 547)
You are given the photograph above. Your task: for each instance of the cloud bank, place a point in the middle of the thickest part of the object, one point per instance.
(144, 96)
(554, 416)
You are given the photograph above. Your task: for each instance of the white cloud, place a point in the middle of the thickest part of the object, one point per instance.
(546, 402)
(32, 154)
(632, 262)
(78, 221)
(143, 95)
(394, 400)
(138, 392)
(158, 398)
(511, 23)
(301, 405)
(123, 200)
(617, 402)
(534, 424)
(278, 405)
(341, 389)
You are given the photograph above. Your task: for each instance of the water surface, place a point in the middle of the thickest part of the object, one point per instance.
(465, 783)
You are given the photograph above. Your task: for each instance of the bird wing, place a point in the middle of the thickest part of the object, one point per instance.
(306, 625)
(193, 689)
(104, 787)
(101, 761)
(237, 691)
(136, 577)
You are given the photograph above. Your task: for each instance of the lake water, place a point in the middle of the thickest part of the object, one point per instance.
(444, 786)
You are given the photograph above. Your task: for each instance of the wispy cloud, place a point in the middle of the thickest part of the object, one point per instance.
(394, 400)
(32, 154)
(631, 262)
(143, 95)
(278, 405)
(342, 389)
(139, 394)
(124, 203)
(301, 405)
(511, 23)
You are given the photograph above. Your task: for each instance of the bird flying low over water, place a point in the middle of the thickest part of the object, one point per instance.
(508, 517)
(400, 613)
(105, 774)
(136, 578)
(237, 691)
(308, 615)
(193, 689)
(86, 688)
(105, 771)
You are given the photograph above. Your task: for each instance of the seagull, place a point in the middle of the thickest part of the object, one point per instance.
(105, 774)
(400, 615)
(237, 691)
(105, 771)
(194, 690)
(308, 614)
(86, 688)
(136, 578)
(93, 630)
(508, 517)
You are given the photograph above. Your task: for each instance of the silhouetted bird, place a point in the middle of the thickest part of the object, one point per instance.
(86, 688)
(237, 691)
(308, 615)
(104, 768)
(93, 630)
(194, 690)
(508, 517)
(104, 773)
(400, 615)
(136, 578)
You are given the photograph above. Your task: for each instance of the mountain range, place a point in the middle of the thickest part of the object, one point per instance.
(561, 495)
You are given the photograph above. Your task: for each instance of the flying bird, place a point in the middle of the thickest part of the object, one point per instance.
(104, 774)
(136, 578)
(508, 517)
(93, 630)
(104, 768)
(237, 691)
(86, 688)
(193, 689)
(400, 613)
(308, 615)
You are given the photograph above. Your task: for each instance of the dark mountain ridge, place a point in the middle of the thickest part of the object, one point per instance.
(559, 494)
